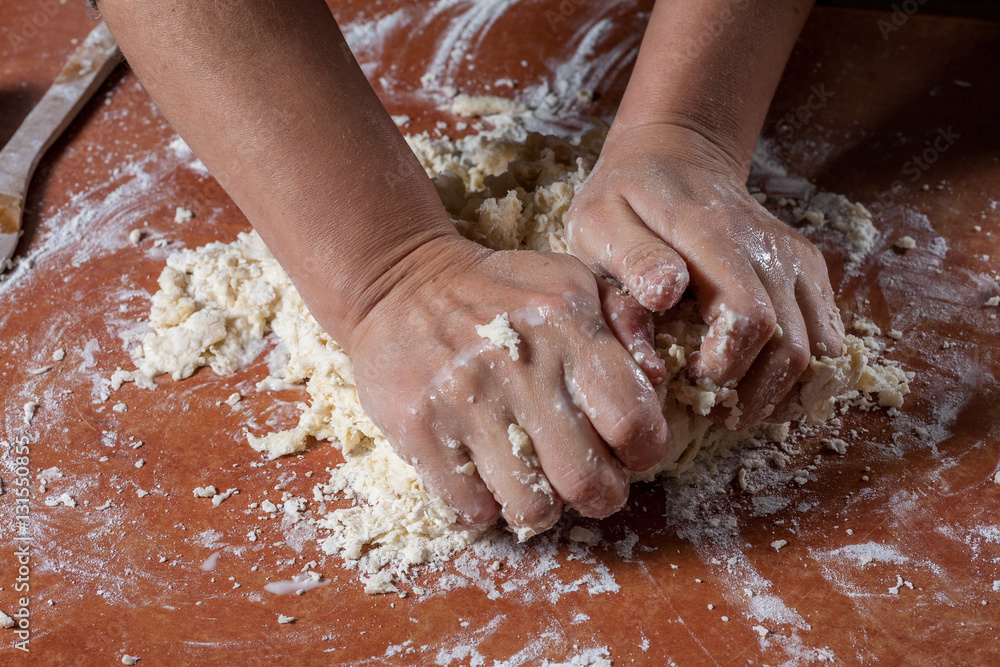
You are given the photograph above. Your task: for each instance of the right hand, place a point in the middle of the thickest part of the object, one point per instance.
(444, 396)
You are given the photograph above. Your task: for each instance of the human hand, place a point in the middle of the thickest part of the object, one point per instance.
(665, 208)
(445, 396)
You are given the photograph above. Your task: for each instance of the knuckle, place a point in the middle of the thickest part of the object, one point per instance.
(833, 345)
(639, 259)
(798, 354)
(813, 255)
(599, 491)
(628, 426)
(761, 324)
(558, 304)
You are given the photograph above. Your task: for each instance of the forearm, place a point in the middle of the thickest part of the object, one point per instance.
(711, 67)
(269, 97)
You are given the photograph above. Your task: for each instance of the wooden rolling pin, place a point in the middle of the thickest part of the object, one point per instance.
(76, 83)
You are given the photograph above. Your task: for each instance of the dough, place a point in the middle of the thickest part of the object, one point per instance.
(500, 333)
(506, 189)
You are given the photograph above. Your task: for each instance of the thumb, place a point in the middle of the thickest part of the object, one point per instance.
(615, 241)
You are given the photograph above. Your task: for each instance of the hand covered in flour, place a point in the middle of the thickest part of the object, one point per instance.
(446, 394)
(664, 210)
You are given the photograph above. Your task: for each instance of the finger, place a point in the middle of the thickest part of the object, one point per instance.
(778, 368)
(823, 324)
(822, 317)
(741, 321)
(620, 403)
(615, 241)
(446, 471)
(632, 325)
(576, 461)
(527, 500)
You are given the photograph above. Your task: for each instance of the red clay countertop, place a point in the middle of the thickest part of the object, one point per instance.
(927, 513)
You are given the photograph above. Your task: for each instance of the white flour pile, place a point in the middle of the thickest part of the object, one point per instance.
(507, 189)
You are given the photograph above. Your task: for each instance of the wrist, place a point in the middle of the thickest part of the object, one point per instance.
(681, 140)
(427, 267)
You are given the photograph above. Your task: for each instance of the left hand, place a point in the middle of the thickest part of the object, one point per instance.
(665, 208)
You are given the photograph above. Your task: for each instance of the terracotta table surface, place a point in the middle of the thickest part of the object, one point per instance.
(921, 507)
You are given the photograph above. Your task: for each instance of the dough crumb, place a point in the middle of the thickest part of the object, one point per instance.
(905, 243)
(380, 584)
(29, 412)
(761, 630)
(835, 445)
(219, 498)
(900, 583)
(285, 620)
(581, 534)
(6, 622)
(59, 355)
(778, 544)
(475, 106)
(500, 333)
(130, 659)
(182, 215)
(135, 236)
(64, 499)
(520, 444)
(204, 492)
(993, 301)
(524, 533)
(279, 444)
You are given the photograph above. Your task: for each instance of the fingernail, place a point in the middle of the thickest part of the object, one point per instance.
(642, 351)
(650, 362)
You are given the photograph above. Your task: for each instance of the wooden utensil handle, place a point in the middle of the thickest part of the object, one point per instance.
(76, 83)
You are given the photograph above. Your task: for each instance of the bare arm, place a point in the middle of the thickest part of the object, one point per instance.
(270, 98)
(712, 67)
